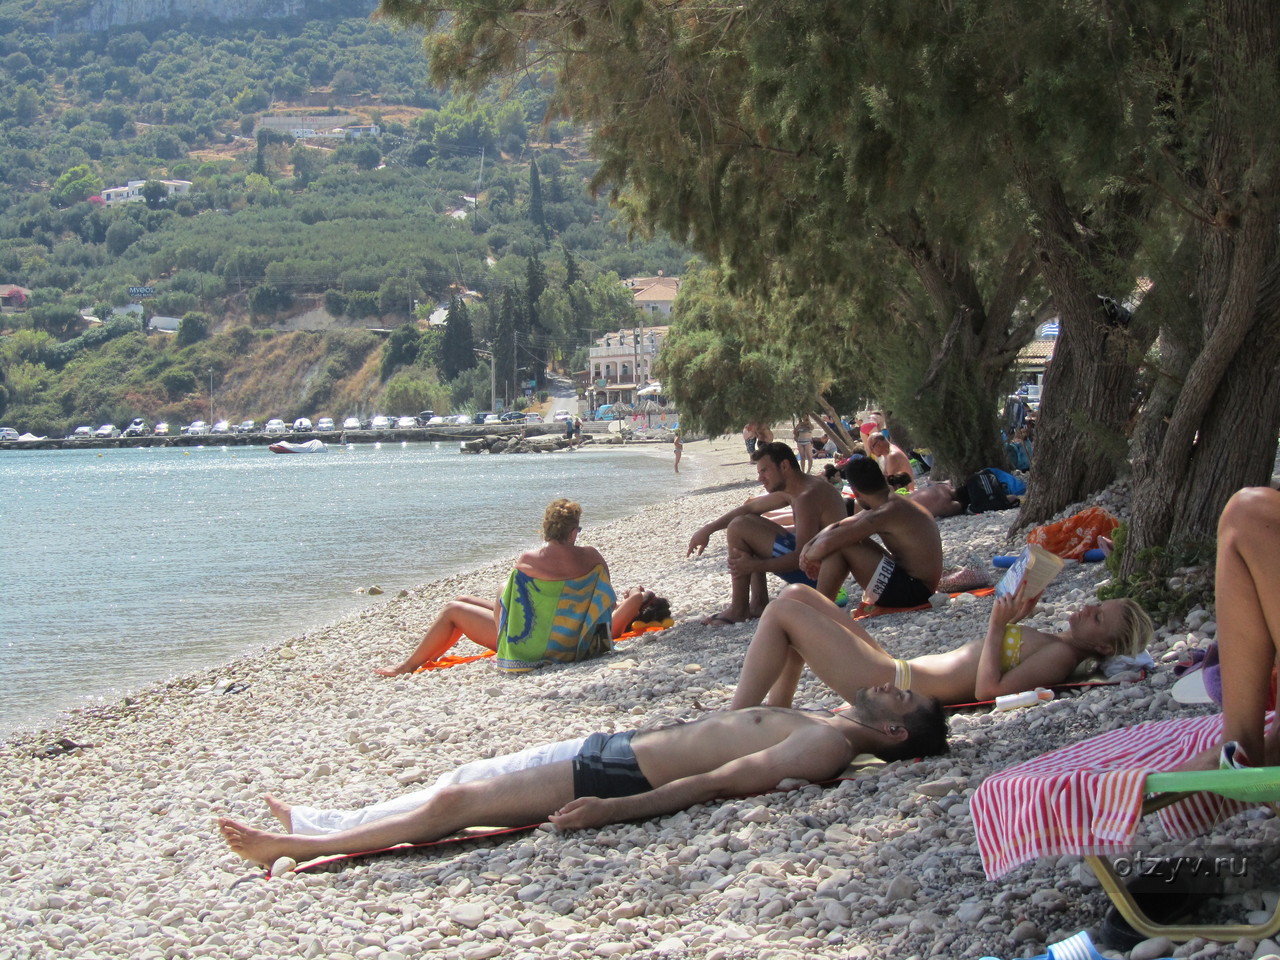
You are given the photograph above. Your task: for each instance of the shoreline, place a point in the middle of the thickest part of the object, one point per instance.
(346, 600)
(116, 843)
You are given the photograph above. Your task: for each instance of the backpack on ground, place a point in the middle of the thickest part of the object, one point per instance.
(986, 492)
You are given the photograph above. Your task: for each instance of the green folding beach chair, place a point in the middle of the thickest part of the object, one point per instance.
(1259, 785)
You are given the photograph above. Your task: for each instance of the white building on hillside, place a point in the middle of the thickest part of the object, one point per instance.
(653, 296)
(132, 191)
(620, 363)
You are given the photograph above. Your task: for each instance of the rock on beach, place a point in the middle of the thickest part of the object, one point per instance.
(113, 849)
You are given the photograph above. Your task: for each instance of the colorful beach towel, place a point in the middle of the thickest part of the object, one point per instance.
(1087, 798)
(554, 621)
(1074, 536)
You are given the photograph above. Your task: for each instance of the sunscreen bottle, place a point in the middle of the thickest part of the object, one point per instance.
(1027, 698)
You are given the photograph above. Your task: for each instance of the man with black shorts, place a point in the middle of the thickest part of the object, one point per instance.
(902, 573)
(606, 778)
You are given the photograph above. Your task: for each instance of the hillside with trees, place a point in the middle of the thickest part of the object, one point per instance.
(285, 243)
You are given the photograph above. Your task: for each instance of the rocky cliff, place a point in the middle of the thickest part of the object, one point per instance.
(99, 15)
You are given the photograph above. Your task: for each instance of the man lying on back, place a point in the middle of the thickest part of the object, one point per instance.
(606, 778)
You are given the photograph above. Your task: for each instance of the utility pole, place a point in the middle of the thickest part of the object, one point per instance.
(211, 398)
(493, 375)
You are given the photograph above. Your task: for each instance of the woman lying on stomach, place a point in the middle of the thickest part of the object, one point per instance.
(803, 627)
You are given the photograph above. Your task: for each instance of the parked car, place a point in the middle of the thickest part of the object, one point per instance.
(222, 426)
(324, 425)
(560, 416)
(380, 423)
(137, 428)
(107, 430)
(197, 428)
(275, 425)
(352, 423)
(302, 425)
(493, 418)
(533, 417)
(8, 433)
(459, 419)
(247, 426)
(425, 416)
(161, 429)
(82, 432)
(403, 423)
(483, 416)
(433, 421)
(512, 416)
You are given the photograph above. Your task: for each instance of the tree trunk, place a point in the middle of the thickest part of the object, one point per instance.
(1220, 433)
(956, 405)
(1088, 392)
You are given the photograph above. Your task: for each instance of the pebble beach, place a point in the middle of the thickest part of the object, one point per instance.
(111, 849)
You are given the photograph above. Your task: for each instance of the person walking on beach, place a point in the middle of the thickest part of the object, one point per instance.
(804, 442)
(607, 778)
(758, 545)
(478, 618)
(678, 445)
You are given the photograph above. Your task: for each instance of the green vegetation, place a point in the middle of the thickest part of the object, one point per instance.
(284, 233)
(1168, 582)
(898, 193)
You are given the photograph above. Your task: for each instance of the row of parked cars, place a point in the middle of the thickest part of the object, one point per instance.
(139, 428)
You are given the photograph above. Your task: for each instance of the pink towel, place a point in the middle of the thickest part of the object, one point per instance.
(1087, 798)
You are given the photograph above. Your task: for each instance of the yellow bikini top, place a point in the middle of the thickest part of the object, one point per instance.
(1011, 647)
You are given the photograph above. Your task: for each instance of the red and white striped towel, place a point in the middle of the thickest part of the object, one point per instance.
(1087, 798)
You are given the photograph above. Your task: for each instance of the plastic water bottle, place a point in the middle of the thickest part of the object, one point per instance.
(1027, 698)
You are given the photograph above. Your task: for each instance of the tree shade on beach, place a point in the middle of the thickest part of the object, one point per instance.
(892, 185)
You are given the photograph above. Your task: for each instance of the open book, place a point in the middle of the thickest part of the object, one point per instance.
(1035, 566)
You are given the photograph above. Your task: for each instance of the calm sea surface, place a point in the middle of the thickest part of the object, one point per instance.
(122, 567)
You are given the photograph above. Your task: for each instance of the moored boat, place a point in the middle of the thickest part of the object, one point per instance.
(311, 446)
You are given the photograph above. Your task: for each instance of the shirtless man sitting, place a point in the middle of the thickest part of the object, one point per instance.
(624, 776)
(902, 573)
(891, 459)
(758, 545)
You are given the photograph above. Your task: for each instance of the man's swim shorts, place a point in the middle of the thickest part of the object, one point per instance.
(891, 586)
(783, 544)
(606, 767)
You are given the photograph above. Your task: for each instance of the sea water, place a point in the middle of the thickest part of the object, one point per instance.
(123, 567)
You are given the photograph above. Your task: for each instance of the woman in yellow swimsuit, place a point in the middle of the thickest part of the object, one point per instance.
(803, 627)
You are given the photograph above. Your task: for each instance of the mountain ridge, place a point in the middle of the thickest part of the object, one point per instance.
(101, 15)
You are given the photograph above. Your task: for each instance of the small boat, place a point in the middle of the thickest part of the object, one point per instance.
(311, 446)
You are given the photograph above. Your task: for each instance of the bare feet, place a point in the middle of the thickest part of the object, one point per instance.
(280, 810)
(257, 846)
(391, 671)
(719, 620)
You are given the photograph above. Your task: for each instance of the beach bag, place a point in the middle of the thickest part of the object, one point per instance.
(1012, 485)
(986, 492)
(1071, 537)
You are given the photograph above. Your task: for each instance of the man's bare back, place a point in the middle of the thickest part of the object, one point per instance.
(904, 571)
(910, 534)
